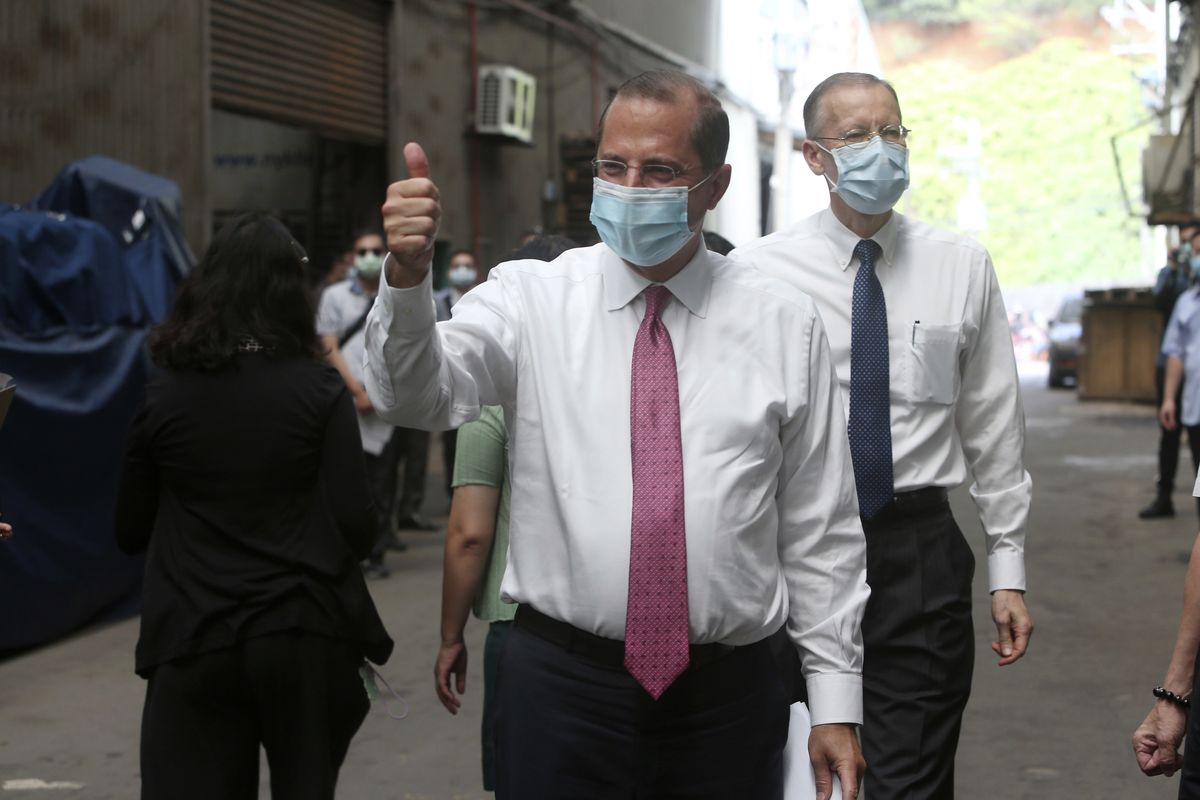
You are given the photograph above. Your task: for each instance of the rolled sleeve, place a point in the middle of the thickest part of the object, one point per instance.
(821, 543)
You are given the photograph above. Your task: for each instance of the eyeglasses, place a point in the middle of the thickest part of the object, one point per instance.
(893, 134)
(657, 175)
(369, 251)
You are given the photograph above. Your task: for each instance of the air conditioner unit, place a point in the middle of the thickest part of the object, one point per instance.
(504, 102)
(1167, 180)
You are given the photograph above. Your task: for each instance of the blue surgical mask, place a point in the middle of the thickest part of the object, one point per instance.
(368, 266)
(870, 178)
(643, 225)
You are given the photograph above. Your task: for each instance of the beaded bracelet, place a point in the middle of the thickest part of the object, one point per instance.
(1166, 694)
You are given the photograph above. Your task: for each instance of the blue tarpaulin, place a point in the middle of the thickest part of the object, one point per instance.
(85, 270)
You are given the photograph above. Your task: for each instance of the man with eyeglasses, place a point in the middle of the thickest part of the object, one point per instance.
(681, 480)
(922, 348)
(341, 316)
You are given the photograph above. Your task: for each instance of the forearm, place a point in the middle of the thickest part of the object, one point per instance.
(1179, 672)
(463, 568)
(1173, 378)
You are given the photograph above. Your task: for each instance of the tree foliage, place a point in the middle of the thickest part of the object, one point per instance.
(1054, 206)
(948, 12)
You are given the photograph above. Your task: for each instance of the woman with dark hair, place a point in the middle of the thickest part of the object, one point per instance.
(244, 482)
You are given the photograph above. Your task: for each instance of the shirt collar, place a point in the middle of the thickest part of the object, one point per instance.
(842, 240)
(691, 286)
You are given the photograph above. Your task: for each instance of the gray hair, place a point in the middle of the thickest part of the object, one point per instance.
(710, 134)
(812, 106)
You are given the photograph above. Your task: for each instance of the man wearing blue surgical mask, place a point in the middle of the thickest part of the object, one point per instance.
(681, 479)
(921, 343)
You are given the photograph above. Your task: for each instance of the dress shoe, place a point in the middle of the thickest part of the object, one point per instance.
(394, 543)
(1161, 507)
(376, 571)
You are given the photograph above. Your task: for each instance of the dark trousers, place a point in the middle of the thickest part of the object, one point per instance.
(572, 728)
(296, 694)
(1168, 441)
(449, 448)
(493, 646)
(381, 481)
(414, 455)
(919, 653)
(1189, 778)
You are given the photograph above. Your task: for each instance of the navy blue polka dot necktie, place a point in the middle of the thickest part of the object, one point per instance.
(870, 409)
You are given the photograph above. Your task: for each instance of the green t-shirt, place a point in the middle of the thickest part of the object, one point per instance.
(482, 460)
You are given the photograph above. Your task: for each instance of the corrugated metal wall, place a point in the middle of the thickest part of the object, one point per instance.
(123, 78)
(317, 64)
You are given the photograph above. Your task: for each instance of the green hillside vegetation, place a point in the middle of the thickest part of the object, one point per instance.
(1054, 207)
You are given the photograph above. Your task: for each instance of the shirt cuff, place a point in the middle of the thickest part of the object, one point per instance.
(1006, 570)
(835, 697)
(413, 308)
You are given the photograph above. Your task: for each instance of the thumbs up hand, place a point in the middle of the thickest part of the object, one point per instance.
(410, 219)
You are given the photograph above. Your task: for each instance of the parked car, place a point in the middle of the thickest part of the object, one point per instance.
(1066, 329)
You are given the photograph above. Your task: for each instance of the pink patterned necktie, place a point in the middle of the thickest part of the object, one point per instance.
(656, 624)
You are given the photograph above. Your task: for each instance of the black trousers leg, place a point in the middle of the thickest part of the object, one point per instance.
(493, 646)
(1193, 436)
(919, 654)
(569, 728)
(414, 452)
(381, 481)
(310, 703)
(1189, 778)
(1168, 441)
(449, 448)
(199, 731)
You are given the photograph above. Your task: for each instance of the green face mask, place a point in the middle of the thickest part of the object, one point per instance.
(368, 266)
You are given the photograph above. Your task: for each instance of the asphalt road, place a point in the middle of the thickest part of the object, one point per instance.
(1104, 589)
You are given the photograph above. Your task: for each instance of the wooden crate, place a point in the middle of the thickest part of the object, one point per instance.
(1121, 334)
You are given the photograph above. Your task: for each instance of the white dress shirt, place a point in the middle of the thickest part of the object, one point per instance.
(771, 516)
(955, 395)
(1182, 340)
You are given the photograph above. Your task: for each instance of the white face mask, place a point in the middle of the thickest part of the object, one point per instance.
(461, 277)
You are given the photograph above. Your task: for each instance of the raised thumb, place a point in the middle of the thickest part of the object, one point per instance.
(416, 161)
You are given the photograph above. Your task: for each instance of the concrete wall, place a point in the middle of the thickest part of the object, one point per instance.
(430, 88)
(122, 78)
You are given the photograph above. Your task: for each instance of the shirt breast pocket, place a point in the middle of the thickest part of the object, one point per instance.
(933, 362)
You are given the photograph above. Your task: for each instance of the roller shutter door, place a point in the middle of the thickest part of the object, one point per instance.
(316, 64)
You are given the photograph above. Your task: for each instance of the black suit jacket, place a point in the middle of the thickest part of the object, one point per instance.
(248, 490)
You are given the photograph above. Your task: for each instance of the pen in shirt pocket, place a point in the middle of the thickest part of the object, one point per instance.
(914, 334)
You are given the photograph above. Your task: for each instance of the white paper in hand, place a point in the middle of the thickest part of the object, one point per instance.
(798, 780)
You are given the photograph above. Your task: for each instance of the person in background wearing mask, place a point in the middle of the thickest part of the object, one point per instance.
(462, 276)
(674, 503)
(1181, 346)
(1173, 280)
(923, 352)
(341, 317)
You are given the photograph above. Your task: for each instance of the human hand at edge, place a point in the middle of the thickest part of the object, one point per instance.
(834, 748)
(1156, 740)
(411, 215)
(1014, 625)
(451, 660)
